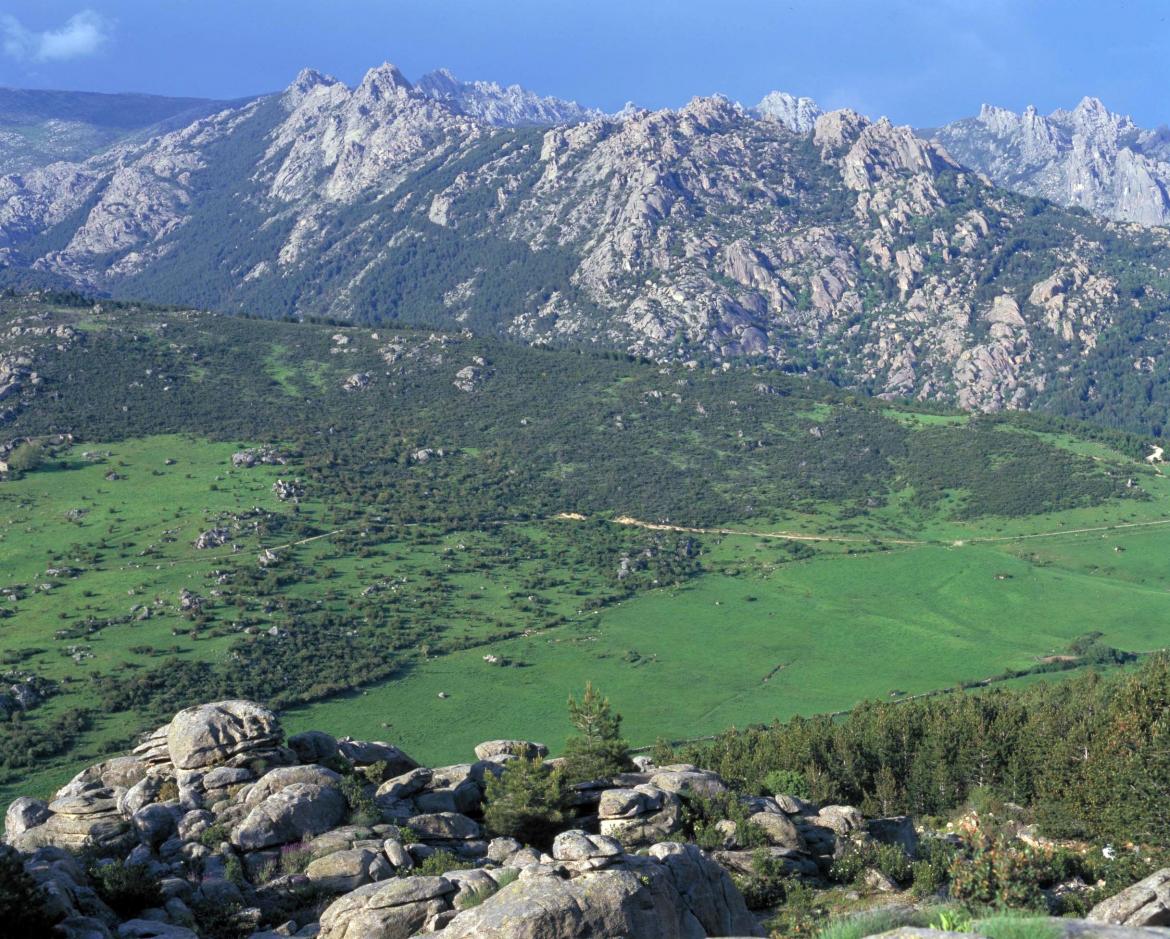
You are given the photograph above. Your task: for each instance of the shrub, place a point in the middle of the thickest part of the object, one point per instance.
(769, 883)
(703, 816)
(126, 889)
(233, 871)
(786, 782)
(870, 923)
(362, 809)
(476, 896)
(214, 835)
(26, 458)
(294, 858)
(217, 920)
(889, 859)
(526, 802)
(506, 876)
(931, 871)
(1000, 873)
(437, 865)
(22, 903)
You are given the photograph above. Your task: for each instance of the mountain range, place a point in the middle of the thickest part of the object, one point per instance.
(1004, 261)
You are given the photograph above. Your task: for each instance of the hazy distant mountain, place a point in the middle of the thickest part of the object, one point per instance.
(40, 127)
(856, 250)
(1087, 157)
(494, 104)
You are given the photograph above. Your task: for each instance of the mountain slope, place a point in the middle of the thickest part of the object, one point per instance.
(245, 504)
(42, 127)
(858, 252)
(1087, 157)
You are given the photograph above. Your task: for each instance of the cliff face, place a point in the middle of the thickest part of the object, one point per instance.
(1088, 157)
(821, 242)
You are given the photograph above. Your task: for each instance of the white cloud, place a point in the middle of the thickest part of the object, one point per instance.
(82, 34)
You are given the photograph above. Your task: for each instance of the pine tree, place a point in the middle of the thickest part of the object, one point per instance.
(525, 802)
(598, 750)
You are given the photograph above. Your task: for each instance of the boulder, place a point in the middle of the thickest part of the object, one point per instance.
(24, 813)
(343, 871)
(209, 734)
(576, 845)
(87, 819)
(291, 814)
(313, 746)
(153, 929)
(121, 772)
(392, 909)
(779, 830)
(496, 749)
(639, 816)
(898, 829)
(143, 793)
(402, 787)
(840, 819)
(1146, 903)
(82, 927)
(369, 752)
(443, 826)
(275, 780)
(684, 778)
(154, 824)
(639, 898)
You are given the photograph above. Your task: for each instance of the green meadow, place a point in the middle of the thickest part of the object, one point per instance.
(757, 635)
(456, 563)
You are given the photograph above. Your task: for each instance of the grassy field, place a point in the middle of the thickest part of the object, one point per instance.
(806, 637)
(752, 546)
(760, 633)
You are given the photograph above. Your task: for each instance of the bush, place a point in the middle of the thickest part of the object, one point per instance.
(22, 903)
(26, 458)
(769, 883)
(362, 809)
(703, 816)
(216, 920)
(931, 871)
(786, 782)
(294, 858)
(526, 802)
(889, 859)
(214, 835)
(1000, 873)
(437, 865)
(126, 889)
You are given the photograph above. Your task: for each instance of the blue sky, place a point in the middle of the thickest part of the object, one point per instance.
(918, 62)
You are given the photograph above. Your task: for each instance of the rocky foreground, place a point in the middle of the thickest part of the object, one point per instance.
(233, 830)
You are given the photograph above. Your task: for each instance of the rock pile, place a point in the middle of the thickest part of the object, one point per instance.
(353, 839)
(220, 809)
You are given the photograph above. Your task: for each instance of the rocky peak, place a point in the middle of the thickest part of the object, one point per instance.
(511, 106)
(1088, 156)
(712, 112)
(797, 114)
(383, 82)
(307, 81)
(837, 130)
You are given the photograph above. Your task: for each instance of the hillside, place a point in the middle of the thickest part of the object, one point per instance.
(855, 252)
(42, 127)
(294, 511)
